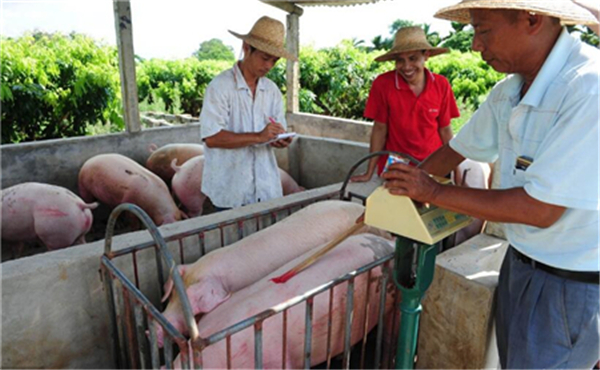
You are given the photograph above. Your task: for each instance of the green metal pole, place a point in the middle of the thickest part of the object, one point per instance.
(413, 276)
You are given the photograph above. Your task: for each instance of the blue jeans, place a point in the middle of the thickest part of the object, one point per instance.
(545, 321)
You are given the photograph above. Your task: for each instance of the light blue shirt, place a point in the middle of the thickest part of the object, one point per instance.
(235, 177)
(556, 125)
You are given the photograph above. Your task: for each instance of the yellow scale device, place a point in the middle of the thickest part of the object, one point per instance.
(401, 216)
(419, 230)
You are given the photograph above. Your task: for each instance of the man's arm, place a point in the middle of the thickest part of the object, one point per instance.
(230, 140)
(507, 205)
(378, 138)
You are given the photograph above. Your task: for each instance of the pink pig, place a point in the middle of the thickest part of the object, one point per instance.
(211, 280)
(186, 184)
(159, 162)
(349, 255)
(114, 179)
(288, 184)
(51, 213)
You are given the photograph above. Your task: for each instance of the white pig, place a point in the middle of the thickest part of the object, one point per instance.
(51, 213)
(211, 280)
(160, 160)
(353, 253)
(288, 184)
(187, 185)
(114, 179)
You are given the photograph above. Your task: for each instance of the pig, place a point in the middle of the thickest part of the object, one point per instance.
(187, 185)
(349, 255)
(52, 214)
(114, 179)
(472, 174)
(159, 162)
(288, 184)
(211, 280)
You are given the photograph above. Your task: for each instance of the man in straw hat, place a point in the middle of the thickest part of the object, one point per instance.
(241, 116)
(541, 124)
(411, 107)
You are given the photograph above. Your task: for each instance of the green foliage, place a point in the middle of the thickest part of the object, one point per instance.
(460, 38)
(334, 81)
(470, 77)
(585, 34)
(179, 84)
(214, 49)
(54, 86)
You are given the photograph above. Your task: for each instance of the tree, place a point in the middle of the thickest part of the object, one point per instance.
(460, 38)
(585, 34)
(214, 49)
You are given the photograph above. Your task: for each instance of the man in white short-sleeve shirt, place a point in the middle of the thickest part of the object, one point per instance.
(541, 124)
(241, 116)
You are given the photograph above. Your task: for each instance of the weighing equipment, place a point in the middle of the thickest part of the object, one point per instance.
(420, 229)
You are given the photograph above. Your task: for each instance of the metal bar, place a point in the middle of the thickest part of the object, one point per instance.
(240, 230)
(284, 340)
(201, 243)
(348, 325)
(140, 334)
(329, 327)
(184, 355)
(258, 350)
(108, 289)
(366, 321)
(135, 269)
(181, 253)
(380, 322)
(168, 352)
(120, 329)
(308, 332)
(228, 344)
(154, 355)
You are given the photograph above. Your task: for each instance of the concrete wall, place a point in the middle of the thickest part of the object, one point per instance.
(58, 162)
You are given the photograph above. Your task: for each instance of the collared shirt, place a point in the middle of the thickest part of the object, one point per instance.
(235, 177)
(413, 121)
(555, 126)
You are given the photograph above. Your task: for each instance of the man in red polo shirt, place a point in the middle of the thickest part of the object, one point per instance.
(411, 107)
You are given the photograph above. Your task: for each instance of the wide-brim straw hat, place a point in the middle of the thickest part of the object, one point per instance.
(568, 12)
(410, 39)
(267, 35)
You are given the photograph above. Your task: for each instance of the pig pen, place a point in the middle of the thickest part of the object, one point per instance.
(54, 307)
(134, 300)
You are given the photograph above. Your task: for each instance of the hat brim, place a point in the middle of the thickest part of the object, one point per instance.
(392, 54)
(566, 11)
(265, 46)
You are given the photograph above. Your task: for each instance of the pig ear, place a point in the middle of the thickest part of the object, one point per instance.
(169, 284)
(206, 294)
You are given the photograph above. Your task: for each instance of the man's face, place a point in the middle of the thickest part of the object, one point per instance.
(499, 39)
(411, 65)
(260, 63)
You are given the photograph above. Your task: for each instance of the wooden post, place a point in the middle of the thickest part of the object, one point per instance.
(124, 29)
(293, 68)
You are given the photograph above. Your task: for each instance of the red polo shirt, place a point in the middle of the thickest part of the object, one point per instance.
(413, 122)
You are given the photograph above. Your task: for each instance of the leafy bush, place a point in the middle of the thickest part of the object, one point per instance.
(470, 77)
(54, 86)
(183, 81)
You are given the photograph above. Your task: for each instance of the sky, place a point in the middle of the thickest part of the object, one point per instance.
(174, 29)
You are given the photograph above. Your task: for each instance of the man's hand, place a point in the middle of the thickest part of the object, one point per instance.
(361, 178)
(283, 143)
(270, 132)
(402, 179)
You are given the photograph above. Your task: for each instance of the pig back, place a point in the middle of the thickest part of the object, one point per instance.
(351, 254)
(159, 162)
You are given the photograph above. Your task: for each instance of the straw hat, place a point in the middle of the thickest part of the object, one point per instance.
(565, 10)
(267, 35)
(410, 39)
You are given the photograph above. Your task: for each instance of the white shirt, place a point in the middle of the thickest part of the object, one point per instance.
(556, 125)
(235, 177)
